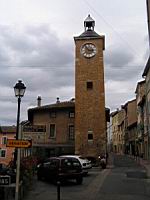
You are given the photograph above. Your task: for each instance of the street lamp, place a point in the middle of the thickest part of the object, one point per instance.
(19, 90)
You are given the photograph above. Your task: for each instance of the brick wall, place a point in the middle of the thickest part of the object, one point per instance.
(90, 104)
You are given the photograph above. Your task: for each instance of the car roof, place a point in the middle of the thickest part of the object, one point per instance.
(50, 158)
(74, 156)
(71, 156)
(59, 158)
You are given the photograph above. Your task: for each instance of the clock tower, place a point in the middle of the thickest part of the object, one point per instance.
(90, 123)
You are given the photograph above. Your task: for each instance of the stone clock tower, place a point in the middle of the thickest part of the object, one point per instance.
(90, 123)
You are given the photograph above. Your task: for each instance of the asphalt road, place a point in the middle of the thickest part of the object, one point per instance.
(124, 181)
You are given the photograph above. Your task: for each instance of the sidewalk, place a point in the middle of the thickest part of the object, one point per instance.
(146, 164)
(110, 162)
(141, 161)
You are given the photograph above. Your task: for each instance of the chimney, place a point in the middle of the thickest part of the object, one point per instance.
(39, 101)
(57, 101)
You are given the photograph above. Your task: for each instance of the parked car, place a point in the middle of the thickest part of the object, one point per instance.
(93, 160)
(85, 163)
(60, 169)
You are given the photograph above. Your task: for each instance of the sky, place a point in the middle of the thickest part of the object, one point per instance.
(37, 46)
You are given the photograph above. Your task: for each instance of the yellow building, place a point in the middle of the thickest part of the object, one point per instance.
(114, 116)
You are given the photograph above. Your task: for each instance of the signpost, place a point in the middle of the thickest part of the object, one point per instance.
(19, 143)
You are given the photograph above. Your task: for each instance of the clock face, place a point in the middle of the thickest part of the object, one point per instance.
(88, 50)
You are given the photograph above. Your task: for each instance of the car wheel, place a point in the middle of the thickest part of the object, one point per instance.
(79, 180)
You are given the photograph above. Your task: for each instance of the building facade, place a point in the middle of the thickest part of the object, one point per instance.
(51, 128)
(6, 153)
(90, 123)
(142, 138)
(146, 75)
(118, 131)
(121, 131)
(130, 127)
(114, 116)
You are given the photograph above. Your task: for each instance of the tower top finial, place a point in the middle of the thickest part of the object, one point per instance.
(89, 23)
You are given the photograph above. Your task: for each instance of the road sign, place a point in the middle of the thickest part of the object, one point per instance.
(5, 180)
(19, 143)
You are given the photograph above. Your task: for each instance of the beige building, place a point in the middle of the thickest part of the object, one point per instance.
(118, 128)
(141, 140)
(146, 75)
(130, 132)
(90, 123)
(121, 131)
(114, 116)
(51, 128)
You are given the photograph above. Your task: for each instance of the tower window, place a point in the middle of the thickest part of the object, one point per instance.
(90, 136)
(89, 85)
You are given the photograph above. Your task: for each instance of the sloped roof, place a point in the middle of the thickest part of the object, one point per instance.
(138, 84)
(114, 113)
(56, 106)
(7, 129)
(60, 105)
(147, 68)
(89, 33)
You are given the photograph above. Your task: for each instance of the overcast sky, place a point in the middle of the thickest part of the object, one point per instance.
(37, 46)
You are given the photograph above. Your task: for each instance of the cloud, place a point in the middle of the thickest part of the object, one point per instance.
(45, 63)
(118, 57)
(122, 65)
(40, 58)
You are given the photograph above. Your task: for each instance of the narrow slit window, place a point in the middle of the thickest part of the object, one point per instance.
(89, 85)
(90, 136)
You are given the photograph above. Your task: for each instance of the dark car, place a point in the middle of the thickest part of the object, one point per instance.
(60, 169)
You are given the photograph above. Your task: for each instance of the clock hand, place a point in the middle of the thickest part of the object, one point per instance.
(89, 48)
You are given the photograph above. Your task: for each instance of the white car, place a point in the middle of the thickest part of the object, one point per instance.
(86, 164)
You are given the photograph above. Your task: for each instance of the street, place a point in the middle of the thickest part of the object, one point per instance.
(123, 179)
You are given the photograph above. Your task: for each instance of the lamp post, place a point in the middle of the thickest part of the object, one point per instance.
(19, 89)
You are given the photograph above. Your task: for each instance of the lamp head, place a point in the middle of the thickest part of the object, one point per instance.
(19, 89)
